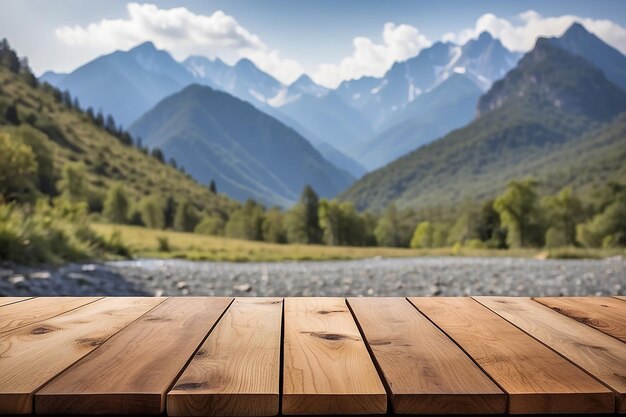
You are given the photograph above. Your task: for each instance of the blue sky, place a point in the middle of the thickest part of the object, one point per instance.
(286, 38)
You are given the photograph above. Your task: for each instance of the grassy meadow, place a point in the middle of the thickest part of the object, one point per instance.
(149, 243)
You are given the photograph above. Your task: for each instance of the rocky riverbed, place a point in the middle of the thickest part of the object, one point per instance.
(451, 276)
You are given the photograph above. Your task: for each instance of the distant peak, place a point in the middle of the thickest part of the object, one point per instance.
(245, 63)
(304, 79)
(576, 29)
(440, 45)
(541, 44)
(196, 88)
(485, 37)
(147, 46)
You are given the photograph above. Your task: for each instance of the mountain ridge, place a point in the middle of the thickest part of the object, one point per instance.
(579, 41)
(250, 154)
(448, 106)
(534, 112)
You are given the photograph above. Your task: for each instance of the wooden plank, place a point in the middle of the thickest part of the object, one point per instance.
(425, 372)
(4, 301)
(603, 313)
(326, 368)
(536, 379)
(601, 355)
(619, 297)
(34, 310)
(236, 371)
(32, 355)
(131, 373)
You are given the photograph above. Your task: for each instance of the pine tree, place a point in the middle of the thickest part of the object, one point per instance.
(11, 115)
(8, 57)
(310, 200)
(100, 119)
(158, 154)
(110, 125)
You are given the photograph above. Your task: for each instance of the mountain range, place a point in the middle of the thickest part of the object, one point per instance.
(216, 136)
(432, 114)
(451, 123)
(125, 84)
(338, 122)
(536, 120)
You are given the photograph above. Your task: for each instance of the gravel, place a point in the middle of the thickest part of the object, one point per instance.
(428, 276)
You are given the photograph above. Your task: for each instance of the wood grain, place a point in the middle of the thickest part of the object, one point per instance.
(131, 373)
(424, 370)
(606, 314)
(32, 355)
(327, 369)
(4, 301)
(536, 379)
(601, 355)
(34, 310)
(236, 371)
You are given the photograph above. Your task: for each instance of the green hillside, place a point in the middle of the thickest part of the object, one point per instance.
(216, 136)
(536, 121)
(69, 135)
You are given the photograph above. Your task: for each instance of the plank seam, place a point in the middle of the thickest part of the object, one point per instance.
(379, 369)
(92, 351)
(16, 301)
(281, 363)
(182, 369)
(507, 395)
(619, 297)
(47, 318)
(550, 348)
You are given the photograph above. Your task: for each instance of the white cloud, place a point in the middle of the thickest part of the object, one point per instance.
(521, 34)
(183, 33)
(369, 58)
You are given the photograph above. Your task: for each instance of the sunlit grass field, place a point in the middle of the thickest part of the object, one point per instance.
(144, 242)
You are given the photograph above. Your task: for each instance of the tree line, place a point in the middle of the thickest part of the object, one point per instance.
(521, 218)
(518, 218)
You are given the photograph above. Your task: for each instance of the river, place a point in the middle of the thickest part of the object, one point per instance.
(427, 276)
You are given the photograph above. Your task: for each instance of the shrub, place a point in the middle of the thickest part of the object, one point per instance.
(211, 225)
(47, 233)
(186, 217)
(423, 236)
(163, 244)
(153, 212)
(116, 205)
(18, 167)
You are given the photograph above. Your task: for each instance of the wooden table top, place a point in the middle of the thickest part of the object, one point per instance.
(220, 356)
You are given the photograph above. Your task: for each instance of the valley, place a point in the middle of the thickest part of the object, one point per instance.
(436, 155)
(361, 125)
